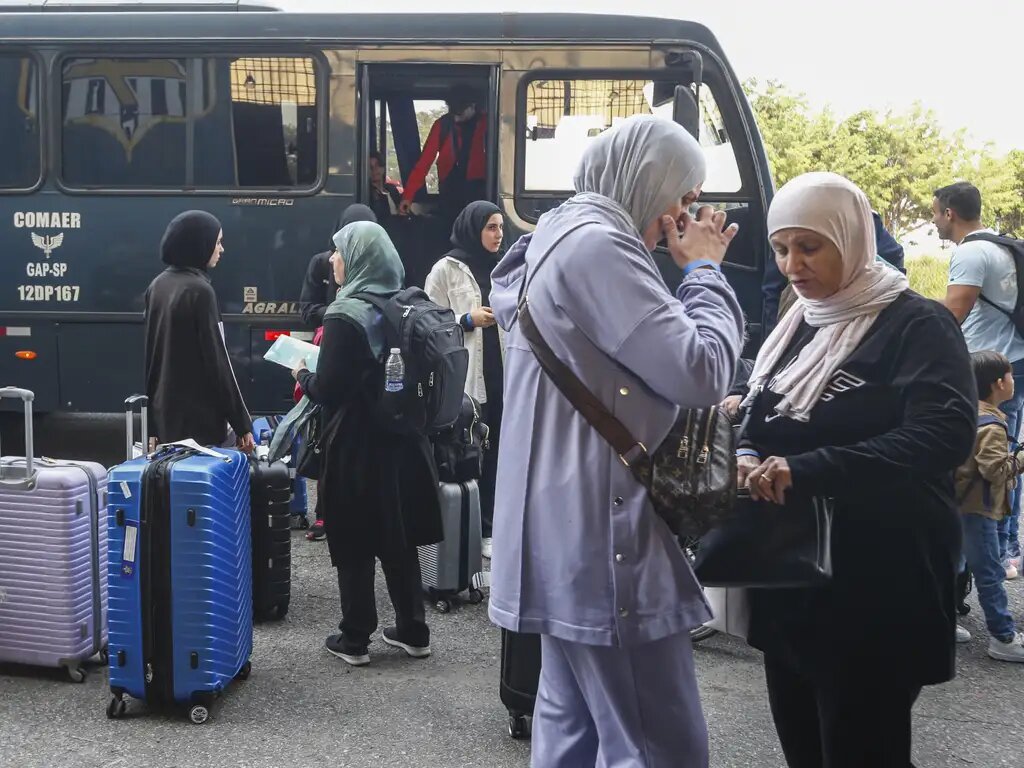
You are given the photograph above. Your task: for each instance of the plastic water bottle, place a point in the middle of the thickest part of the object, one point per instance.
(394, 372)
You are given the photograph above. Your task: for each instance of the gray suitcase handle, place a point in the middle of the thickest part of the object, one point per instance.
(15, 393)
(129, 421)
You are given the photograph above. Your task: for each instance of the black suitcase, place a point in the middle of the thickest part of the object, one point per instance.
(520, 676)
(271, 494)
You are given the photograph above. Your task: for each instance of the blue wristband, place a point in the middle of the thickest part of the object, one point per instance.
(698, 264)
(747, 452)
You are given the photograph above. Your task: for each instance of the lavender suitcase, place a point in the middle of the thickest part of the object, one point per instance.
(53, 558)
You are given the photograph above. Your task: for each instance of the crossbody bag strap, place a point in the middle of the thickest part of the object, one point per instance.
(569, 384)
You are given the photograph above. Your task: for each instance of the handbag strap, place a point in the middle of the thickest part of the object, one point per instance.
(572, 388)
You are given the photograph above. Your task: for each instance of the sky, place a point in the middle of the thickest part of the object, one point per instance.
(960, 58)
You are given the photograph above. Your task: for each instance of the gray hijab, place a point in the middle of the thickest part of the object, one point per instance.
(643, 164)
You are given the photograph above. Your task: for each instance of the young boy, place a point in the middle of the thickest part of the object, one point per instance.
(983, 488)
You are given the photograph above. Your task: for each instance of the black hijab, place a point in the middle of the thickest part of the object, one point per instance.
(466, 237)
(190, 239)
(354, 212)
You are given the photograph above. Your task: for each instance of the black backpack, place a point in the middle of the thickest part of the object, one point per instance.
(459, 450)
(1016, 249)
(435, 357)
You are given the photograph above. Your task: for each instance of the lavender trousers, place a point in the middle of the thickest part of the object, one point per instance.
(607, 707)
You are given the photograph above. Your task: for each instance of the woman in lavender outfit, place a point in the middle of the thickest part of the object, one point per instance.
(580, 557)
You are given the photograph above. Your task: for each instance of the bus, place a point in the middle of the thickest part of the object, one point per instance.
(116, 118)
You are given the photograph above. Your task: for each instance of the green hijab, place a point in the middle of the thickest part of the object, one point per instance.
(372, 265)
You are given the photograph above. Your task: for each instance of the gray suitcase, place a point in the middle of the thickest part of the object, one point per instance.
(453, 566)
(53, 558)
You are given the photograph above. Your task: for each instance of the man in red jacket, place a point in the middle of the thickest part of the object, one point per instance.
(458, 142)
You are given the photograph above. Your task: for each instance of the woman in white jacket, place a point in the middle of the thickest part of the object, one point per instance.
(461, 280)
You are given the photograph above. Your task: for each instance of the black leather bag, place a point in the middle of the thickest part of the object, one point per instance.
(459, 450)
(690, 478)
(309, 460)
(767, 545)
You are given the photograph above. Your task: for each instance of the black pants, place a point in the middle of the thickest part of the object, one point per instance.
(852, 725)
(359, 603)
(491, 415)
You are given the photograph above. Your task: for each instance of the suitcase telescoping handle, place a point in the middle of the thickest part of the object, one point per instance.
(129, 422)
(26, 397)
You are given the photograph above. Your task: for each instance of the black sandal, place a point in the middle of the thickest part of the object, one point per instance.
(317, 532)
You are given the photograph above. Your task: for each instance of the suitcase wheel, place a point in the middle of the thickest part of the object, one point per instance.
(105, 656)
(76, 674)
(198, 714)
(517, 727)
(282, 609)
(443, 606)
(475, 597)
(245, 671)
(116, 708)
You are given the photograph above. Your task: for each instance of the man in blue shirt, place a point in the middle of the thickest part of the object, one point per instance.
(983, 281)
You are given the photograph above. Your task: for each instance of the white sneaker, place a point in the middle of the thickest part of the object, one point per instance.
(485, 548)
(962, 635)
(1011, 572)
(1011, 651)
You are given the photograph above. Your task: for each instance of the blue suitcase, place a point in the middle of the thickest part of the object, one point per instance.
(179, 578)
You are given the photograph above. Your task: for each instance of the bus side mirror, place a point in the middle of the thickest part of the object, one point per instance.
(686, 110)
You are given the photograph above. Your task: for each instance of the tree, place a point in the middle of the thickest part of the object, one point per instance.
(897, 159)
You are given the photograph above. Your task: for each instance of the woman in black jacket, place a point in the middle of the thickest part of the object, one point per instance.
(379, 488)
(193, 392)
(864, 393)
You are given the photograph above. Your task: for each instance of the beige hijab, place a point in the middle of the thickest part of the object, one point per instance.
(834, 207)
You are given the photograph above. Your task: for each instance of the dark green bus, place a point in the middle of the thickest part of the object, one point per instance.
(115, 119)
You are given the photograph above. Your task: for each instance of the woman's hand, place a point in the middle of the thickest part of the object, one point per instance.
(770, 480)
(299, 369)
(744, 466)
(731, 406)
(704, 238)
(483, 317)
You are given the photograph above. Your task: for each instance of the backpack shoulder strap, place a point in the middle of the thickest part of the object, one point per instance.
(1012, 243)
(988, 420)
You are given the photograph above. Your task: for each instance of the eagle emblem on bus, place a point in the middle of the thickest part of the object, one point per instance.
(124, 97)
(49, 243)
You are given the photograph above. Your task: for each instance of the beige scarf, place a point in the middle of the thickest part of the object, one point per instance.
(835, 208)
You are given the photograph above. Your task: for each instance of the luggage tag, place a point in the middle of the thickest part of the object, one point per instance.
(130, 549)
(194, 446)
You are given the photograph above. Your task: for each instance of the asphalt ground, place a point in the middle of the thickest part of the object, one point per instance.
(302, 707)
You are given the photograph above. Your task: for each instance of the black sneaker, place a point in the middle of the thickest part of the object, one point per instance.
(356, 655)
(416, 651)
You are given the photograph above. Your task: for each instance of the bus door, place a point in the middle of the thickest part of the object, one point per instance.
(401, 105)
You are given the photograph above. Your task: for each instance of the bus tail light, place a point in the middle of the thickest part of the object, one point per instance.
(25, 354)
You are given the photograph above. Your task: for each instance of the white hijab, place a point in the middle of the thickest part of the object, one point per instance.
(643, 164)
(833, 207)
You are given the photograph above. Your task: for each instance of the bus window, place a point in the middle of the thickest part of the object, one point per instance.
(258, 127)
(253, 123)
(19, 122)
(124, 122)
(564, 116)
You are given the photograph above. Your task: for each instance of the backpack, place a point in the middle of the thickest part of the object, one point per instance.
(436, 361)
(1016, 249)
(459, 450)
